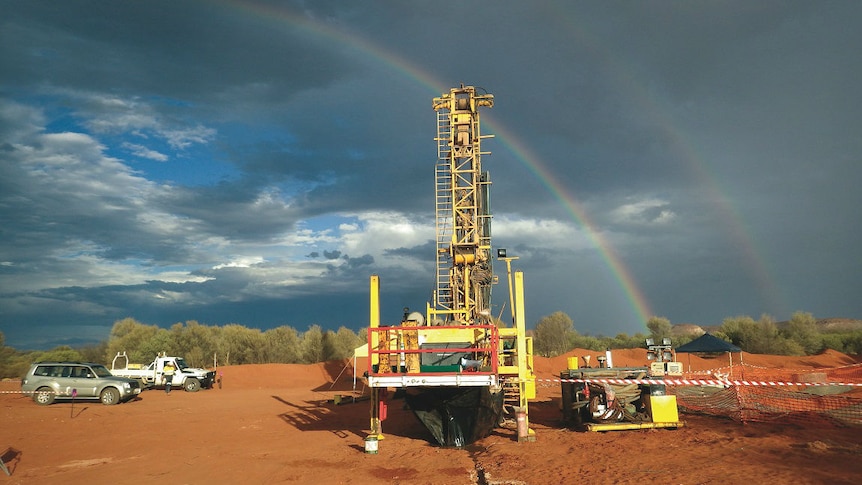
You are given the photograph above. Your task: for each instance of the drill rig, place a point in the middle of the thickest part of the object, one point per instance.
(462, 374)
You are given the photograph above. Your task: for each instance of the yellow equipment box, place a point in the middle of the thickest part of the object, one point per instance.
(663, 409)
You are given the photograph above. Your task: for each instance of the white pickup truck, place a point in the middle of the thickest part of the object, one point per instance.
(191, 379)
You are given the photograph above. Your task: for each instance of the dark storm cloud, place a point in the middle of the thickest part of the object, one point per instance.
(190, 50)
(232, 211)
(255, 162)
(417, 252)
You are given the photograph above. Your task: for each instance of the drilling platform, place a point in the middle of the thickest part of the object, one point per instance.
(463, 373)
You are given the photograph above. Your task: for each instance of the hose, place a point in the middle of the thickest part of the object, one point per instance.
(620, 395)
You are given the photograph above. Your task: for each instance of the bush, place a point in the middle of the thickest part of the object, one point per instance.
(553, 335)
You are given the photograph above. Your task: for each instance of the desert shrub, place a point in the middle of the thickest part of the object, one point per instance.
(625, 341)
(802, 329)
(94, 352)
(846, 342)
(659, 328)
(587, 342)
(553, 334)
(63, 352)
(344, 343)
(759, 337)
(282, 345)
(194, 342)
(131, 336)
(314, 345)
(237, 344)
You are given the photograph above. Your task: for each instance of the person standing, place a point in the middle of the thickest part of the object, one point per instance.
(168, 372)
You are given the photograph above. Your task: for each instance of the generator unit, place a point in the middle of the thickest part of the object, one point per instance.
(616, 398)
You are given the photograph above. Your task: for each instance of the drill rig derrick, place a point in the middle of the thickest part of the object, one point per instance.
(459, 370)
(464, 272)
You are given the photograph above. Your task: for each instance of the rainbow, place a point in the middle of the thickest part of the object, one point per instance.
(343, 39)
(634, 295)
(650, 102)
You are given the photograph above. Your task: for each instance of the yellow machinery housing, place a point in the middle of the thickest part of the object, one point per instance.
(618, 398)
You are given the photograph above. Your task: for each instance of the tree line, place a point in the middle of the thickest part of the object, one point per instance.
(200, 346)
(555, 334)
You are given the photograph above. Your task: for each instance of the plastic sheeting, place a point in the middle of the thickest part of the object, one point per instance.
(457, 416)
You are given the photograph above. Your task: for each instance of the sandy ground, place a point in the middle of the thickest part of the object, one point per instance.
(277, 423)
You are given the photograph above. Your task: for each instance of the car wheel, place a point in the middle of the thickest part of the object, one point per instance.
(192, 385)
(44, 396)
(110, 395)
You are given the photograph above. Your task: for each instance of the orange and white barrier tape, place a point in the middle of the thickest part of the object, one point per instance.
(703, 382)
(26, 392)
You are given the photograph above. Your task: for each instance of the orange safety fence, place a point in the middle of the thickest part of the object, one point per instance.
(824, 396)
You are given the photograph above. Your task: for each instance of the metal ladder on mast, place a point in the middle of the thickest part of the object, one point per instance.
(443, 211)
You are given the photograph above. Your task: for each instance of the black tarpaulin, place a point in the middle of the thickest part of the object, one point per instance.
(457, 416)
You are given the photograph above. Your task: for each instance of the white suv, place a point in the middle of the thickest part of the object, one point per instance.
(48, 381)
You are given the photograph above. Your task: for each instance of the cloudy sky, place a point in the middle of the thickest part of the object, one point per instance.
(254, 162)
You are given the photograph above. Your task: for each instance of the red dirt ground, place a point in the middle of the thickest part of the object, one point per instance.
(276, 423)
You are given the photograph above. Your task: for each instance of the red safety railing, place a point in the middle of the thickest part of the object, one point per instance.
(397, 346)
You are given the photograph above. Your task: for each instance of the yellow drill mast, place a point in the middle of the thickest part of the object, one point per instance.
(464, 274)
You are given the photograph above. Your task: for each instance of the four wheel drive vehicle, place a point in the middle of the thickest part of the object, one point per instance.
(191, 379)
(48, 381)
